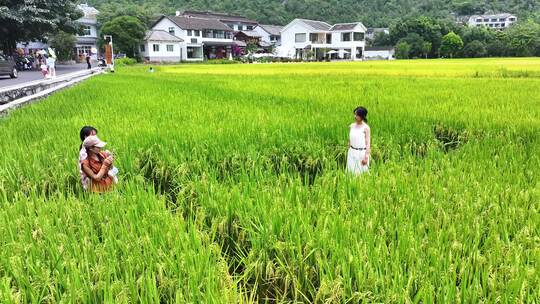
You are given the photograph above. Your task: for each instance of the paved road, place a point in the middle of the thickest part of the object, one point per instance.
(26, 76)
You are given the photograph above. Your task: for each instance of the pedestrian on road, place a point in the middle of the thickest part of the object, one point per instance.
(51, 64)
(44, 68)
(359, 143)
(88, 61)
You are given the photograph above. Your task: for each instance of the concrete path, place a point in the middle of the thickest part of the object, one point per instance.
(28, 76)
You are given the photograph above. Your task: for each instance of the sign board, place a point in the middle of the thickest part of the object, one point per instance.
(108, 53)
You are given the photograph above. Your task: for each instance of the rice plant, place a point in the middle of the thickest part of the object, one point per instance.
(233, 187)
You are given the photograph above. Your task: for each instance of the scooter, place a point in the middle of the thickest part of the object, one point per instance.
(102, 63)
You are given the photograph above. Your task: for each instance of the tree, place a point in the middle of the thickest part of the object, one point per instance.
(381, 39)
(523, 38)
(429, 30)
(475, 49)
(426, 48)
(31, 20)
(144, 13)
(127, 34)
(402, 50)
(63, 43)
(451, 44)
(416, 44)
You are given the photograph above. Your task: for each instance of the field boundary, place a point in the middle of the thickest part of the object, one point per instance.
(37, 90)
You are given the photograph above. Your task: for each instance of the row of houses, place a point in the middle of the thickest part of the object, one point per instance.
(193, 35)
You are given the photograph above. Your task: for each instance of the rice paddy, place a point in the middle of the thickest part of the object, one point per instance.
(233, 186)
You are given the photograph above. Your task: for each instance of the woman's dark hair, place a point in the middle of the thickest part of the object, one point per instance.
(362, 112)
(86, 131)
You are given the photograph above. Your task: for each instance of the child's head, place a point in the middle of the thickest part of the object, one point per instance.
(87, 131)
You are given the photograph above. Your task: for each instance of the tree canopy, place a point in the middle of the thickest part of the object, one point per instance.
(30, 20)
(127, 32)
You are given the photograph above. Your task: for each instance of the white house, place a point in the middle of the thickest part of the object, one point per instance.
(497, 21)
(306, 39)
(160, 46)
(202, 38)
(270, 34)
(379, 53)
(87, 42)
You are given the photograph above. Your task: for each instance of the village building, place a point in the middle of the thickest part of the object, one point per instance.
(87, 42)
(270, 34)
(202, 38)
(495, 21)
(318, 40)
(161, 46)
(371, 32)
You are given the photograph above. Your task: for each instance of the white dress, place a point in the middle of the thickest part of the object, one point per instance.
(359, 139)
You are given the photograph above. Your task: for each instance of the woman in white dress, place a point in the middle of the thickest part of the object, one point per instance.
(359, 143)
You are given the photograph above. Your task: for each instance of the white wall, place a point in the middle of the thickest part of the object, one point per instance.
(163, 55)
(288, 45)
(385, 54)
(288, 34)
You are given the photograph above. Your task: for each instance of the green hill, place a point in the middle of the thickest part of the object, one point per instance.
(373, 13)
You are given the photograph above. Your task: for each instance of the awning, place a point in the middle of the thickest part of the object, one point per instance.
(240, 43)
(216, 43)
(264, 44)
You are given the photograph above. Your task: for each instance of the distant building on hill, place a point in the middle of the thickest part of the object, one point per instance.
(496, 21)
(372, 31)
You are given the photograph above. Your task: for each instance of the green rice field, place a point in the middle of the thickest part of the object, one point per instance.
(233, 186)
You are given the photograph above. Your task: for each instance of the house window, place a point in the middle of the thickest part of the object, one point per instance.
(313, 37)
(194, 52)
(170, 48)
(240, 27)
(171, 30)
(493, 20)
(87, 31)
(249, 27)
(196, 33)
(479, 20)
(300, 37)
(486, 20)
(189, 32)
(155, 47)
(502, 19)
(512, 19)
(143, 49)
(193, 40)
(328, 38)
(345, 36)
(358, 36)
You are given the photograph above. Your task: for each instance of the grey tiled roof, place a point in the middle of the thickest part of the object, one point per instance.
(343, 26)
(251, 33)
(318, 25)
(272, 29)
(504, 15)
(215, 15)
(160, 35)
(193, 23)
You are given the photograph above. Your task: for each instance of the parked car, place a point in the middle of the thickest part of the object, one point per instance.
(8, 67)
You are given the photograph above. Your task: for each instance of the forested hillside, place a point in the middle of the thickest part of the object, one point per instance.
(374, 13)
